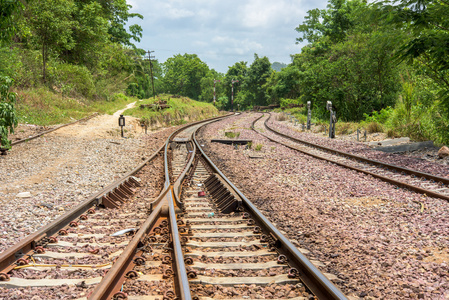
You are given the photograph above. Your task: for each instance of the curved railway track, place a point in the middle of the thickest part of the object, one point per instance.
(420, 182)
(198, 239)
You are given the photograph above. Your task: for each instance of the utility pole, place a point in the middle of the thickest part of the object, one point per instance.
(232, 95)
(214, 89)
(151, 71)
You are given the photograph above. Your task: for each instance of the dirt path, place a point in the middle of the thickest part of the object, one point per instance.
(103, 126)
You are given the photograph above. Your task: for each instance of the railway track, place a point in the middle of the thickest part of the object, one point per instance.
(424, 183)
(197, 237)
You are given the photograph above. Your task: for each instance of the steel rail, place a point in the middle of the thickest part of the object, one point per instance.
(316, 281)
(371, 161)
(27, 244)
(178, 182)
(115, 276)
(183, 287)
(51, 130)
(365, 160)
(110, 284)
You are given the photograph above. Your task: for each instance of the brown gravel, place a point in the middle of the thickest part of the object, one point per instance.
(62, 169)
(368, 233)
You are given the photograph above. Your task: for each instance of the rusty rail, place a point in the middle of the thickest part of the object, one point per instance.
(316, 281)
(115, 277)
(365, 160)
(24, 246)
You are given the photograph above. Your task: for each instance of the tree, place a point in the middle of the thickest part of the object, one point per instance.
(52, 26)
(183, 74)
(237, 72)
(207, 86)
(90, 35)
(8, 25)
(8, 117)
(348, 61)
(117, 12)
(258, 74)
(333, 22)
(429, 42)
(283, 84)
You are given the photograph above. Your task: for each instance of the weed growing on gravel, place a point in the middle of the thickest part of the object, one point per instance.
(232, 135)
(258, 147)
(346, 127)
(281, 117)
(374, 127)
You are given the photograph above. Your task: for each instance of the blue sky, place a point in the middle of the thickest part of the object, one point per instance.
(222, 32)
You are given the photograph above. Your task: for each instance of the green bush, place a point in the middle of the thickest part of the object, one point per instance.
(71, 80)
(285, 102)
(379, 117)
(232, 135)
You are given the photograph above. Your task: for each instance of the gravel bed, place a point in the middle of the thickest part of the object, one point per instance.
(235, 260)
(152, 178)
(59, 172)
(250, 291)
(24, 131)
(423, 160)
(371, 235)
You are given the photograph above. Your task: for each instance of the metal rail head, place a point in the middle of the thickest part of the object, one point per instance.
(316, 281)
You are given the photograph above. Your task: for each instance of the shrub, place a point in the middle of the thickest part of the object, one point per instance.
(346, 127)
(373, 127)
(281, 117)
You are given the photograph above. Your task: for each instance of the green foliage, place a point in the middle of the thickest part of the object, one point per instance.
(237, 72)
(352, 69)
(8, 118)
(10, 12)
(380, 117)
(258, 147)
(180, 110)
(283, 84)
(52, 26)
(285, 102)
(231, 134)
(183, 74)
(258, 74)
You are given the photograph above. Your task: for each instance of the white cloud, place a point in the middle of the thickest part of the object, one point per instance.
(222, 32)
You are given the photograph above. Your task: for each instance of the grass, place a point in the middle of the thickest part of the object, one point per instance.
(374, 127)
(180, 111)
(346, 127)
(232, 135)
(258, 147)
(44, 107)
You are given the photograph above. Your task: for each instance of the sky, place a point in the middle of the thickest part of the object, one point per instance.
(222, 33)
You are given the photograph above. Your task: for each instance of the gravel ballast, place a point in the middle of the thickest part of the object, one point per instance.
(370, 234)
(45, 177)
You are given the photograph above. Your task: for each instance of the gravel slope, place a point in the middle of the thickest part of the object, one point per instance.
(62, 169)
(371, 235)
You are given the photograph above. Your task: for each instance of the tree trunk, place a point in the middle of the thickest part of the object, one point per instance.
(44, 61)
